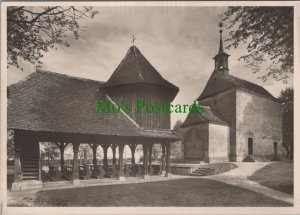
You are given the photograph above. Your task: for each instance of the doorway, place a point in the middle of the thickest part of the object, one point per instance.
(275, 148)
(250, 146)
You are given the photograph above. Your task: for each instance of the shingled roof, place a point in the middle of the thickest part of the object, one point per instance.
(135, 68)
(206, 116)
(47, 101)
(220, 82)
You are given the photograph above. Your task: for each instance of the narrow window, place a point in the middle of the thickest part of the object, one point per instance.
(250, 146)
(275, 148)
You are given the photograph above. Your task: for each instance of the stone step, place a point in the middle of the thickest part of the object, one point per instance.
(30, 169)
(30, 177)
(30, 173)
(199, 170)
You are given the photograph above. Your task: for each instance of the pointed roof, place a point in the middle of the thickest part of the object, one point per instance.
(221, 48)
(135, 68)
(53, 102)
(219, 82)
(207, 116)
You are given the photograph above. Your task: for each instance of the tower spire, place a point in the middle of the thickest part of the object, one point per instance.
(221, 50)
(221, 59)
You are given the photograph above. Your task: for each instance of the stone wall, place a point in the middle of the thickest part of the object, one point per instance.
(260, 119)
(194, 147)
(224, 104)
(219, 143)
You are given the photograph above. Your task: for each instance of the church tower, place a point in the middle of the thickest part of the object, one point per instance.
(135, 79)
(221, 59)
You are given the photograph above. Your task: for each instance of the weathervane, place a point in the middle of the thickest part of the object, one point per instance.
(133, 39)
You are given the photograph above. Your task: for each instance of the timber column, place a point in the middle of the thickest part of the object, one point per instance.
(163, 159)
(75, 171)
(105, 161)
(132, 147)
(18, 169)
(121, 162)
(168, 163)
(114, 160)
(150, 159)
(146, 159)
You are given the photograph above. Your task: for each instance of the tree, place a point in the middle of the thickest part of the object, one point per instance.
(176, 148)
(268, 33)
(31, 31)
(287, 100)
(49, 152)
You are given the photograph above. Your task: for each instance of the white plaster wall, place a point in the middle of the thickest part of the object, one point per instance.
(219, 140)
(260, 119)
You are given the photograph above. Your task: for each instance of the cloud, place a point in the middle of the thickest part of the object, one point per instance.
(179, 42)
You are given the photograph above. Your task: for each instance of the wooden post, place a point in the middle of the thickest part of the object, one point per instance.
(75, 170)
(18, 171)
(17, 148)
(94, 148)
(168, 164)
(150, 159)
(132, 148)
(163, 159)
(96, 170)
(114, 147)
(121, 162)
(105, 161)
(146, 159)
(62, 159)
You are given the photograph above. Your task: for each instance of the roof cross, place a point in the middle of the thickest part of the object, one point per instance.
(133, 39)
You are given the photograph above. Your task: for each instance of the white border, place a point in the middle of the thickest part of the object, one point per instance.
(148, 210)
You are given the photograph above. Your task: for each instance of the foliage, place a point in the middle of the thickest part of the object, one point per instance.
(49, 151)
(85, 152)
(33, 30)
(176, 148)
(268, 32)
(287, 100)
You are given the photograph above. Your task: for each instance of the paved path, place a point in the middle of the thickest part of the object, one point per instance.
(238, 177)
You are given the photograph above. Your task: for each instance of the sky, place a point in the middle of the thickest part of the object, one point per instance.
(179, 42)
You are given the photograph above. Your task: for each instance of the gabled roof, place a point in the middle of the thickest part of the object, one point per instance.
(135, 68)
(206, 116)
(48, 101)
(53, 102)
(220, 81)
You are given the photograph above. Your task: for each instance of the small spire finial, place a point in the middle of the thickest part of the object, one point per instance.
(221, 41)
(133, 39)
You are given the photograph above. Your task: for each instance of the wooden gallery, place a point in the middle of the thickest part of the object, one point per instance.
(56, 108)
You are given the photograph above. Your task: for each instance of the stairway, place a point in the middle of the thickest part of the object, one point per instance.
(202, 171)
(30, 162)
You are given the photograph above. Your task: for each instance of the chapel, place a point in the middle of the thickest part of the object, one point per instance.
(241, 121)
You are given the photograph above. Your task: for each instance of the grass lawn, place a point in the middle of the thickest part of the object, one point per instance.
(277, 175)
(181, 192)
